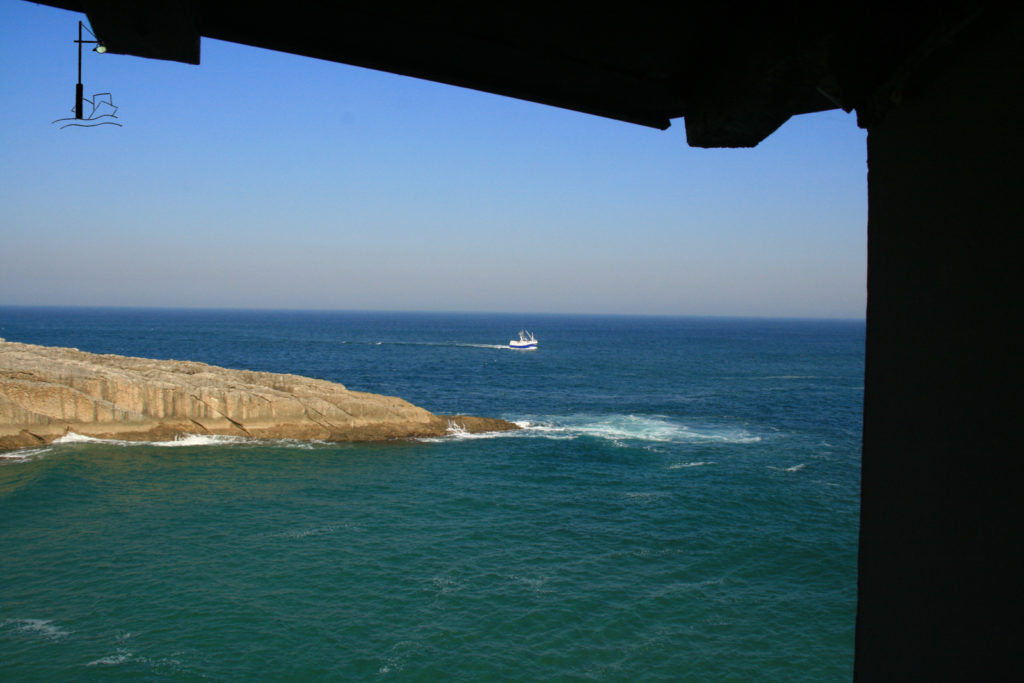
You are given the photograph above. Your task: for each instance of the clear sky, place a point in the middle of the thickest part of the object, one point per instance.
(267, 180)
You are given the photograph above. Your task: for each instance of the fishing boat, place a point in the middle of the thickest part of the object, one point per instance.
(526, 341)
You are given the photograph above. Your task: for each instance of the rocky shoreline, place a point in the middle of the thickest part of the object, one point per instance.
(46, 392)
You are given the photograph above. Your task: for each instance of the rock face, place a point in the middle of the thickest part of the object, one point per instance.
(47, 391)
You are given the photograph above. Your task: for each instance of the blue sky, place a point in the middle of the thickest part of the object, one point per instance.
(267, 180)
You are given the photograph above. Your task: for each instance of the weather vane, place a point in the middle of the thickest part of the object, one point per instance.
(102, 104)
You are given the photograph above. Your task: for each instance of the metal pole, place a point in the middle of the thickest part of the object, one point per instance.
(78, 87)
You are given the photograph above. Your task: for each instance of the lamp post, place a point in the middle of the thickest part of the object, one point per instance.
(78, 86)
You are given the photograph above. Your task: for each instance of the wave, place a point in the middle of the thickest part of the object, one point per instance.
(72, 437)
(794, 468)
(189, 440)
(457, 432)
(184, 441)
(178, 441)
(621, 430)
(644, 428)
(25, 454)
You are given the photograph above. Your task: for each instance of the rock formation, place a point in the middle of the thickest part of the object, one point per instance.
(46, 392)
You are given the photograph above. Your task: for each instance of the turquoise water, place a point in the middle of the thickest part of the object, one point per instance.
(681, 505)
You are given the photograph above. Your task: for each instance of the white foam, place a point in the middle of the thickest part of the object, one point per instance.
(121, 657)
(397, 656)
(624, 429)
(25, 454)
(635, 427)
(300, 445)
(444, 584)
(72, 437)
(188, 440)
(621, 430)
(533, 584)
(179, 440)
(455, 429)
(724, 436)
(185, 441)
(44, 628)
(683, 465)
(548, 431)
(124, 655)
(794, 468)
(457, 432)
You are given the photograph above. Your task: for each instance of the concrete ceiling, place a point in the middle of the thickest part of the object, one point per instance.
(735, 72)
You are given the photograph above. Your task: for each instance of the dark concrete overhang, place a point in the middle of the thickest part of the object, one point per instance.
(735, 72)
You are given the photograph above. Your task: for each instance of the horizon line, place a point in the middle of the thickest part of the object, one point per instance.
(246, 309)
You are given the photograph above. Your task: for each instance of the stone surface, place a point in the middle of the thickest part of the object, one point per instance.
(46, 392)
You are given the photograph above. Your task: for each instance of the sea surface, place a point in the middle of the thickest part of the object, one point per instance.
(681, 504)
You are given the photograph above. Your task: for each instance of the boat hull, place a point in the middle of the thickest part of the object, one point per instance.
(525, 342)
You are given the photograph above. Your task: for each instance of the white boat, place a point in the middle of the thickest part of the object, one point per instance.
(526, 341)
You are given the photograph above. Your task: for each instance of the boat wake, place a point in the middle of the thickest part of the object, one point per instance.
(449, 344)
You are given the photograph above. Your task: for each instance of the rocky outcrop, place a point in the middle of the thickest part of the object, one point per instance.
(46, 392)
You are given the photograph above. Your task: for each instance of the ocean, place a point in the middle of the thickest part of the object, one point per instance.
(681, 504)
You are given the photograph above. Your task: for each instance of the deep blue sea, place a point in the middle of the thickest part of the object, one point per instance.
(682, 504)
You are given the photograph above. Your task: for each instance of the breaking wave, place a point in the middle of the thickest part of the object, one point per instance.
(25, 454)
(457, 432)
(179, 441)
(619, 429)
(632, 428)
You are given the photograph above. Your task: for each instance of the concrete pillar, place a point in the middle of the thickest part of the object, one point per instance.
(941, 485)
